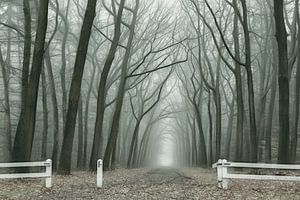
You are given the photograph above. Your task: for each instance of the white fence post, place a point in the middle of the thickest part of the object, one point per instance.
(99, 173)
(219, 173)
(224, 174)
(48, 173)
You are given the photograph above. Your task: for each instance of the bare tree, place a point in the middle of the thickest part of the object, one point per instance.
(65, 158)
(109, 156)
(283, 82)
(7, 133)
(102, 88)
(26, 126)
(45, 114)
(294, 135)
(133, 152)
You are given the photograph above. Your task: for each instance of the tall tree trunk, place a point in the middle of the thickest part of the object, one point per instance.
(210, 142)
(111, 145)
(54, 110)
(202, 143)
(239, 95)
(133, 142)
(145, 137)
(191, 121)
(102, 90)
(283, 82)
(66, 153)
(271, 112)
(264, 77)
(124, 151)
(261, 126)
(214, 87)
(251, 102)
(86, 115)
(145, 151)
(25, 67)
(272, 94)
(294, 136)
(229, 130)
(188, 144)
(217, 100)
(45, 115)
(26, 126)
(26, 53)
(7, 120)
(64, 65)
(6, 86)
(80, 136)
(5, 69)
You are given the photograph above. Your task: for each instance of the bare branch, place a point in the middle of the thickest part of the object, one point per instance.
(159, 68)
(14, 28)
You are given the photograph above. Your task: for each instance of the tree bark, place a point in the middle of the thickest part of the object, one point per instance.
(272, 94)
(26, 53)
(55, 110)
(45, 115)
(7, 119)
(25, 67)
(202, 143)
(64, 65)
(133, 143)
(294, 135)
(271, 112)
(66, 153)
(102, 90)
(26, 126)
(86, 115)
(283, 82)
(239, 94)
(210, 142)
(111, 145)
(80, 137)
(251, 102)
(229, 130)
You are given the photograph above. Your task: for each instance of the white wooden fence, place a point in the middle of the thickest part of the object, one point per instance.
(47, 174)
(222, 171)
(99, 173)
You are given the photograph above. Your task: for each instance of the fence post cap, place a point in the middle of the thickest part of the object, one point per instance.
(99, 161)
(48, 160)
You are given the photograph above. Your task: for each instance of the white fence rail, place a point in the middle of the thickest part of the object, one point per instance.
(47, 174)
(223, 175)
(99, 173)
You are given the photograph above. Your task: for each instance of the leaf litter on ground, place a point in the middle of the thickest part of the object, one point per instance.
(161, 183)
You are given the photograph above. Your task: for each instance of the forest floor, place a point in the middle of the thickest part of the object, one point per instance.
(161, 183)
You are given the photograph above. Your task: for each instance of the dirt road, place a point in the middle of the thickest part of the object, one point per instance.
(161, 183)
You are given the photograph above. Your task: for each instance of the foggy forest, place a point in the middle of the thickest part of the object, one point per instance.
(149, 84)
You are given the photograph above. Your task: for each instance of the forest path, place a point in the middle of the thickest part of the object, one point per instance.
(139, 184)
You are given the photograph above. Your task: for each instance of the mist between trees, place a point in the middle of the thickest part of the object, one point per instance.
(142, 83)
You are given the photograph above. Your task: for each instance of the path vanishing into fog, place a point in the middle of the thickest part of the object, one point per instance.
(159, 183)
